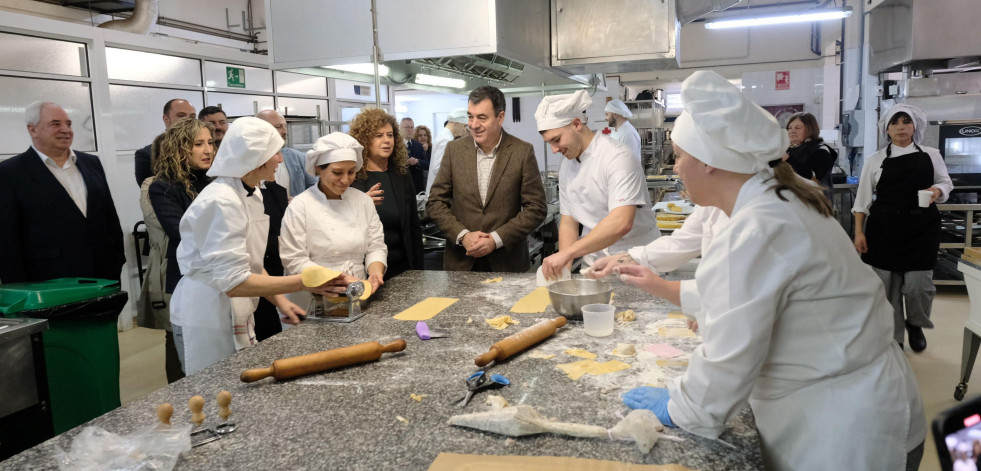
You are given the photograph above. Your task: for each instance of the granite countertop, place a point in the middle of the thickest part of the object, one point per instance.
(347, 419)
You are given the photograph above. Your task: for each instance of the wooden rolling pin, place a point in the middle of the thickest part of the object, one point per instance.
(322, 361)
(520, 341)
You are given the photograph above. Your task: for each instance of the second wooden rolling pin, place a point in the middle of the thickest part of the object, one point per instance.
(322, 361)
(520, 341)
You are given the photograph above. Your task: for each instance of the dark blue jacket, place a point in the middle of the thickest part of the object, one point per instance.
(43, 235)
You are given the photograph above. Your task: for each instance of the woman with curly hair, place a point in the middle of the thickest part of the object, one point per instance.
(185, 154)
(425, 137)
(386, 172)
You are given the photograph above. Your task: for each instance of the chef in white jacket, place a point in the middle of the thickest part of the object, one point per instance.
(668, 253)
(455, 128)
(601, 186)
(795, 323)
(331, 224)
(617, 115)
(223, 241)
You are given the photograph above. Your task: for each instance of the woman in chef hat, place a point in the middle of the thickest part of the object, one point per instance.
(223, 241)
(331, 224)
(792, 320)
(894, 234)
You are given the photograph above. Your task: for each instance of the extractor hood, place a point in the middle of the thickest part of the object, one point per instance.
(923, 34)
(503, 43)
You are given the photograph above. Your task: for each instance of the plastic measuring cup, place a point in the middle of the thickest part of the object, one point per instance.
(598, 319)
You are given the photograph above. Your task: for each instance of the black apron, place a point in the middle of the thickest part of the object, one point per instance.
(901, 235)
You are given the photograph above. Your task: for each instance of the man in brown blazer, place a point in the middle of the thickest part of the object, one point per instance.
(488, 196)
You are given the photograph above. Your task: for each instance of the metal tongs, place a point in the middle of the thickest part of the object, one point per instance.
(211, 434)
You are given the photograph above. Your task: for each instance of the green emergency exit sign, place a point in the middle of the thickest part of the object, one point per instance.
(235, 77)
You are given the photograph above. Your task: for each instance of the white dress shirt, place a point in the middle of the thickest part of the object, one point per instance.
(485, 166)
(70, 178)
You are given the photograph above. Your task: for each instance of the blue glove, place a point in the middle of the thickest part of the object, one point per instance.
(652, 399)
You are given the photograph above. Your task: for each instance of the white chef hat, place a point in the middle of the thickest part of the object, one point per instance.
(334, 147)
(915, 114)
(723, 128)
(556, 111)
(248, 143)
(458, 115)
(617, 107)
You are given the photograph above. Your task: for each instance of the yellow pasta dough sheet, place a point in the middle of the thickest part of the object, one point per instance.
(676, 315)
(578, 352)
(494, 280)
(425, 309)
(578, 369)
(669, 225)
(501, 322)
(533, 302)
(672, 362)
(675, 332)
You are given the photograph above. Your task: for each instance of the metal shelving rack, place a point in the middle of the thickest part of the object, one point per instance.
(648, 118)
(957, 233)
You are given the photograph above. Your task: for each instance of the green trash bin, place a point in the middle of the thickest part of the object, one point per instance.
(81, 347)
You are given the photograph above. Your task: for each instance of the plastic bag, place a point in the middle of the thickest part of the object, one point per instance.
(155, 448)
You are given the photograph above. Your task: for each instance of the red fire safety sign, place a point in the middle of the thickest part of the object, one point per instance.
(783, 80)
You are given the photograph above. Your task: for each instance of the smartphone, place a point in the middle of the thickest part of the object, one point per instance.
(957, 433)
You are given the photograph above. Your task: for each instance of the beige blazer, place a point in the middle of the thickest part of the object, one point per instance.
(515, 202)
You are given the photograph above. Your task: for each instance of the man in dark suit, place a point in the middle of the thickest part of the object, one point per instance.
(418, 162)
(488, 196)
(174, 111)
(58, 216)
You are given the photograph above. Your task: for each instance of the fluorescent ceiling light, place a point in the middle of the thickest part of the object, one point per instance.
(436, 81)
(820, 15)
(367, 69)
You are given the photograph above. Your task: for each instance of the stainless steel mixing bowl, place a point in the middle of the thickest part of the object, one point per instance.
(569, 296)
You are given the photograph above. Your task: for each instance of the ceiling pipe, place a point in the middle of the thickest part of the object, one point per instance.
(144, 16)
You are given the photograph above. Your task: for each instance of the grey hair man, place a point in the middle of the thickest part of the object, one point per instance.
(58, 216)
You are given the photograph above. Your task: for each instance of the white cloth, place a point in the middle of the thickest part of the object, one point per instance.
(605, 177)
(667, 253)
(344, 235)
(248, 143)
(872, 170)
(556, 111)
(223, 242)
(915, 114)
(799, 326)
(70, 178)
(618, 107)
(283, 176)
(723, 128)
(627, 135)
(443, 137)
(334, 147)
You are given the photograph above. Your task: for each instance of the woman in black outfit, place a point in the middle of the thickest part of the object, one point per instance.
(425, 137)
(180, 169)
(385, 177)
(807, 154)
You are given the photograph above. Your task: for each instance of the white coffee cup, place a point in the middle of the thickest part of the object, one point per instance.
(925, 196)
(598, 319)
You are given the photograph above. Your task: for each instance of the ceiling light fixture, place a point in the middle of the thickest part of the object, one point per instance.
(366, 68)
(436, 81)
(820, 15)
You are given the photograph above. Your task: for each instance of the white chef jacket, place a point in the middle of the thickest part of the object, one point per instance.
(344, 235)
(605, 177)
(223, 242)
(799, 326)
(691, 240)
(627, 135)
(872, 170)
(443, 137)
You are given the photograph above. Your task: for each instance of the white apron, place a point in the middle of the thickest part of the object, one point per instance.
(215, 326)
